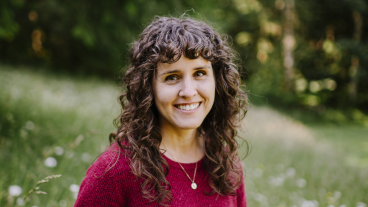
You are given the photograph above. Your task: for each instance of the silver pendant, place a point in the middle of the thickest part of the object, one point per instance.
(194, 186)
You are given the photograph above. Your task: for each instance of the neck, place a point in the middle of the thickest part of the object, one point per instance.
(184, 146)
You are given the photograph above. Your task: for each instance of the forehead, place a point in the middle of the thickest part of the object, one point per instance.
(184, 63)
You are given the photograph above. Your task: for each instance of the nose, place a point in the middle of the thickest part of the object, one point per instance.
(188, 89)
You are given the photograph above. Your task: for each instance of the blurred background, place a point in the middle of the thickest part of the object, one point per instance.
(303, 64)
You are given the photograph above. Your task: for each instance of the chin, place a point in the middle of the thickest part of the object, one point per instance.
(187, 126)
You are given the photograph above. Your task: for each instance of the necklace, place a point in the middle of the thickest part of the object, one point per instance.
(193, 185)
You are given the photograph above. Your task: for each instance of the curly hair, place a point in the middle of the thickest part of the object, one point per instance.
(164, 41)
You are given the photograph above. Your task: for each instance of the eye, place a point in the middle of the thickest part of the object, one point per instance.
(200, 73)
(171, 78)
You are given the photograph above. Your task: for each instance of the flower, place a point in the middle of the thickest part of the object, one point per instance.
(307, 203)
(74, 188)
(30, 125)
(15, 190)
(258, 172)
(290, 172)
(50, 162)
(86, 157)
(19, 201)
(59, 150)
(276, 181)
(361, 204)
(301, 183)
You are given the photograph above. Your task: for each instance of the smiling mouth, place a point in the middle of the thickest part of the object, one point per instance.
(188, 107)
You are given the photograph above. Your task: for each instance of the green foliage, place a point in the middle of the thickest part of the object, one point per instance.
(8, 25)
(47, 117)
(93, 37)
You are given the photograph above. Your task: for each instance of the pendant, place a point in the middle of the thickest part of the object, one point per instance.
(194, 186)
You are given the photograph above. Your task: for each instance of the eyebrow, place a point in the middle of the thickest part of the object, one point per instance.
(176, 70)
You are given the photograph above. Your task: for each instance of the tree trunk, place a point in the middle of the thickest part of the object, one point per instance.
(288, 44)
(353, 70)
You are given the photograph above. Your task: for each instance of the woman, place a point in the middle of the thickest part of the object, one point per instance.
(175, 144)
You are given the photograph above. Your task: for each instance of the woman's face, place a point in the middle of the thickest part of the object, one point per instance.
(184, 92)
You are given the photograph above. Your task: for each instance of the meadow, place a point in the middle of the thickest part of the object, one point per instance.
(53, 124)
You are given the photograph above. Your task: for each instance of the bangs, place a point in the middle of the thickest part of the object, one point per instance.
(174, 40)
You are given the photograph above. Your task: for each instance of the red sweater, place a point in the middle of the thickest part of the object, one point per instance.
(110, 182)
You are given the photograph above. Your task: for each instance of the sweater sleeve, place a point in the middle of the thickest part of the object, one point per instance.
(105, 182)
(241, 197)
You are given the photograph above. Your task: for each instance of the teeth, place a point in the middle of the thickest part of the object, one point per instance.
(188, 107)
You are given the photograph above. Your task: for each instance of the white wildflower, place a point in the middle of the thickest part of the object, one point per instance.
(307, 203)
(361, 204)
(290, 172)
(258, 172)
(59, 150)
(301, 183)
(50, 162)
(86, 157)
(75, 195)
(276, 181)
(30, 125)
(15, 190)
(74, 188)
(259, 197)
(19, 201)
(337, 195)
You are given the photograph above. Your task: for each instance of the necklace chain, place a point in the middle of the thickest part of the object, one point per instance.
(195, 171)
(193, 185)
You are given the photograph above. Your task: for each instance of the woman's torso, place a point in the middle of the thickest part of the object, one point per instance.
(110, 182)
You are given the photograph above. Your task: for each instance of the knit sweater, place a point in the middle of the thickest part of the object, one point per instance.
(110, 182)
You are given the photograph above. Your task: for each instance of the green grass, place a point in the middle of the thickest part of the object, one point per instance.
(330, 162)
(42, 112)
(69, 119)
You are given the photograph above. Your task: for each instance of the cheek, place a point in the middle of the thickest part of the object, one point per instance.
(163, 95)
(209, 92)
(157, 96)
(158, 100)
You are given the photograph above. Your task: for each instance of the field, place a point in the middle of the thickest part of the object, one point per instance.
(53, 124)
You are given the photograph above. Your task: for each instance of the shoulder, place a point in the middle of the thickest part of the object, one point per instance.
(107, 180)
(111, 162)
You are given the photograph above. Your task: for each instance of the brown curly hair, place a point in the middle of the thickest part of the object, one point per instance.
(164, 41)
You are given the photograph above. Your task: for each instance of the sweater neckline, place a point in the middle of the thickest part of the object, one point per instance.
(186, 166)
